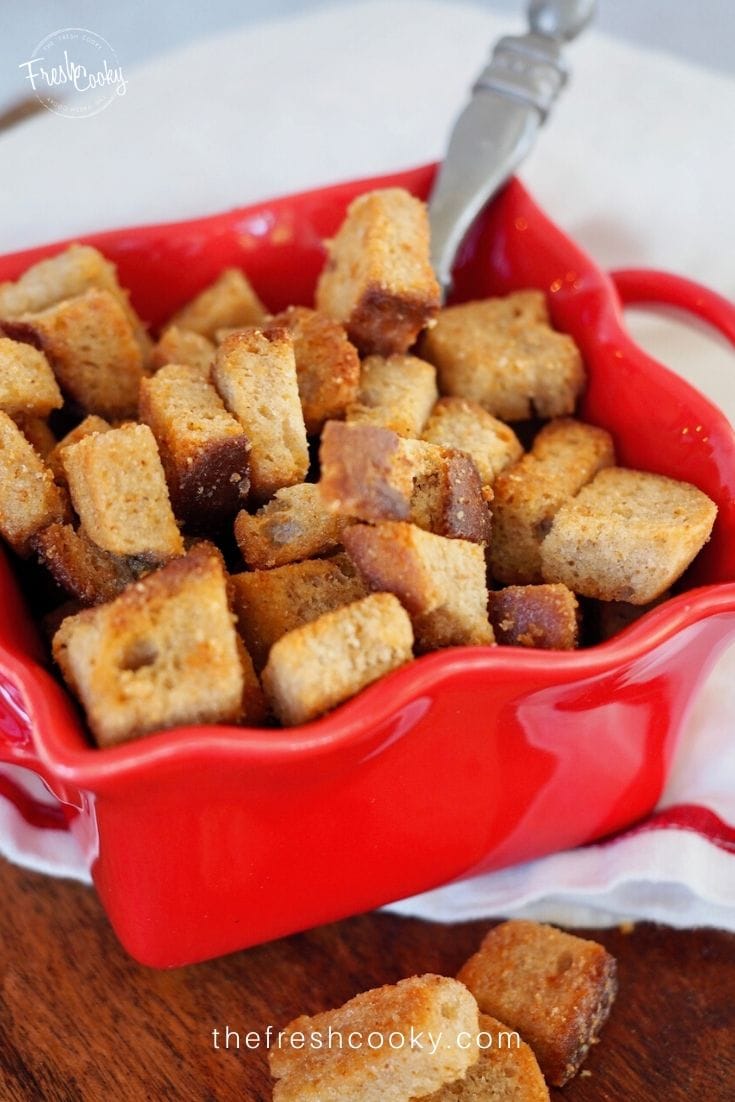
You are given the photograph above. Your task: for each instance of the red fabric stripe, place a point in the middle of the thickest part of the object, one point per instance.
(694, 817)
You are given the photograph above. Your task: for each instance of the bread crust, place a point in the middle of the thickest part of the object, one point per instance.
(87, 573)
(542, 616)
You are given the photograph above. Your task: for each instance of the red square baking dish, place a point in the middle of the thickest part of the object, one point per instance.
(206, 840)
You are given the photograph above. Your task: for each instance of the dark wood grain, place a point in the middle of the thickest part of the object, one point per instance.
(81, 1022)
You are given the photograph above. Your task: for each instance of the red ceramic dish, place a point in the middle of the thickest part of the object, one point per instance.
(205, 840)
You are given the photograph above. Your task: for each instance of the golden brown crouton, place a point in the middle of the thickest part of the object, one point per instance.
(255, 373)
(627, 536)
(491, 444)
(270, 603)
(38, 433)
(527, 496)
(70, 273)
(397, 392)
(545, 616)
(327, 364)
(204, 450)
(229, 301)
(27, 384)
(382, 1072)
(92, 349)
(183, 346)
(371, 473)
(378, 279)
(162, 654)
(441, 582)
(87, 427)
(507, 1070)
(555, 989)
(29, 497)
(323, 663)
(294, 525)
(118, 488)
(79, 566)
(503, 354)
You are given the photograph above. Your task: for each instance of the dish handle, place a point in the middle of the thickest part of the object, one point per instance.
(641, 286)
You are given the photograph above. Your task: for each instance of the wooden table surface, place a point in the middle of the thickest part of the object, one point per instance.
(81, 1022)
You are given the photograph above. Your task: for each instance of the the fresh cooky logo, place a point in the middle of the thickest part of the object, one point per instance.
(74, 73)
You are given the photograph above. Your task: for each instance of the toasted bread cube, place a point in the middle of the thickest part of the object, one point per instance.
(29, 498)
(378, 280)
(79, 566)
(555, 989)
(319, 665)
(183, 346)
(270, 603)
(440, 581)
(255, 373)
(92, 349)
(294, 525)
(466, 426)
(87, 427)
(38, 433)
(421, 1005)
(204, 450)
(229, 301)
(118, 488)
(566, 454)
(503, 354)
(327, 364)
(370, 473)
(506, 1071)
(70, 273)
(543, 616)
(27, 384)
(163, 653)
(627, 536)
(397, 392)
(254, 709)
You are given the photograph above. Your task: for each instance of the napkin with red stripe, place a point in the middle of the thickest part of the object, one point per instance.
(364, 88)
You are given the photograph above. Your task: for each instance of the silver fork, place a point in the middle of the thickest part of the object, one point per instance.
(511, 99)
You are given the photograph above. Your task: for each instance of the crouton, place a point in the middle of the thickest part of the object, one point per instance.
(183, 346)
(543, 616)
(270, 603)
(229, 301)
(378, 280)
(162, 654)
(503, 354)
(77, 269)
(327, 364)
(255, 373)
(370, 473)
(440, 581)
(387, 1072)
(38, 433)
(506, 1071)
(466, 426)
(118, 489)
(627, 536)
(555, 989)
(294, 525)
(92, 349)
(204, 450)
(87, 427)
(84, 570)
(527, 496)
(29, 497)
(397, 392)
(315, 667)
(27, 384)
(254, 709)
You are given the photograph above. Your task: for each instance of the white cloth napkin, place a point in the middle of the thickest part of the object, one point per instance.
(635, 164)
